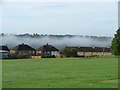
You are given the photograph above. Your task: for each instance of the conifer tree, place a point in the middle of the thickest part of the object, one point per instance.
(115, 48)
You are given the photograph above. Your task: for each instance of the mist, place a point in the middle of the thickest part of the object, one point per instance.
(11, 41)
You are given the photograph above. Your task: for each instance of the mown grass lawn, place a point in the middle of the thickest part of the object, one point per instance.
(61, 73)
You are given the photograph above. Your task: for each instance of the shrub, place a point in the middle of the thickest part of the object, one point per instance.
(22, 56)
(48, 56)
(12, 56)
(69, 52)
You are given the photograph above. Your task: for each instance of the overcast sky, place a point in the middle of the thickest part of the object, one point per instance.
(81, 18)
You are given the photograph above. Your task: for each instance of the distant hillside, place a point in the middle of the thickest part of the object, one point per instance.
(60, 41)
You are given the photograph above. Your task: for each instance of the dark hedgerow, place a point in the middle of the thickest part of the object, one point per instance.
(12, 56)
(21, 56)
(48, 56)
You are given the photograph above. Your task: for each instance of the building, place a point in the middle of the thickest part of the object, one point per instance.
(4, 52)
(23, 49)
(90, 51)
(47, 50)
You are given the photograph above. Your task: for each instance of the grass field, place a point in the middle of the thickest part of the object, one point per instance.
(61, 73)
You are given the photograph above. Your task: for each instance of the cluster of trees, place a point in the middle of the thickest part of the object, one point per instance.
(36, 35)
(115, 48)
(69, 52)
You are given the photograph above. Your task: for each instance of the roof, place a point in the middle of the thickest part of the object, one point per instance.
(47, 48)
(91, 49)
(23, 47)
(5, 48)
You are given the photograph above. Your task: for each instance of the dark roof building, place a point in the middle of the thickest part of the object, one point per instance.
(23, 49)
(91, 49)
(47, 47)
(5, 48)
(47, 50)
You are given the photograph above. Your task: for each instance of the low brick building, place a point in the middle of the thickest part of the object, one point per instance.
(47, 50)
(23, 49)
(90, 51)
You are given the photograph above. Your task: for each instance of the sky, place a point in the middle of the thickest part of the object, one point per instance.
(78, 18)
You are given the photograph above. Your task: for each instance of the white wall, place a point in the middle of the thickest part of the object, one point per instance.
(56, 53)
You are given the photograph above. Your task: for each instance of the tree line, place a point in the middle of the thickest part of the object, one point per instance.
(115, 48)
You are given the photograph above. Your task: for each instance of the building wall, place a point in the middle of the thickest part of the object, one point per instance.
(29, 52)
(93, 53)
(4, 54)
(56, 53)
(38, 52)
(35, 56)
(12, 51)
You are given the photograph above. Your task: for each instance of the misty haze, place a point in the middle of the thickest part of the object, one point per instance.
(57, 41)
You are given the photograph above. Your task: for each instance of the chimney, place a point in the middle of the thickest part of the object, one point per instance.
(22, 43)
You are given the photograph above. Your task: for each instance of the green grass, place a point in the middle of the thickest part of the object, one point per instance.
(61, 73)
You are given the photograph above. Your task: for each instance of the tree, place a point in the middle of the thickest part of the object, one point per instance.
(69, 52)
(115, 48)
